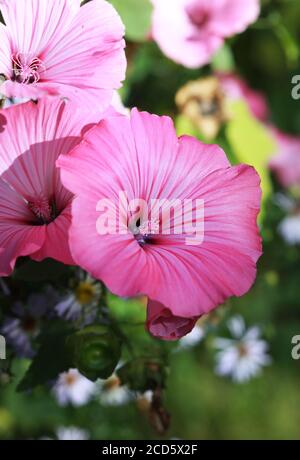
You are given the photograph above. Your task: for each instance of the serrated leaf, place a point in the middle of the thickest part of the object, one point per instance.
(136, 15)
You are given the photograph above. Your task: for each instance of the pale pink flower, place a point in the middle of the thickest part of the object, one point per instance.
(59, 48)
(34, 205)
(142, 156)
(191, 31)
(235, 88)
(286, 161)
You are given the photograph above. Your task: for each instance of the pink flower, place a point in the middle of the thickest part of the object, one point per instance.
(34, 205)
(191, 31)
(59, 48)
(286, 163)
(235, 88)
(142, 156)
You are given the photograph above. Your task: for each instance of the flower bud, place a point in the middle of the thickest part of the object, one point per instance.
(161, 323)
(96, 351)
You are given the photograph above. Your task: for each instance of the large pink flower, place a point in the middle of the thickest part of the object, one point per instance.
(286, 162)
(236, 88)
(191, 31)
(142, 156)
(59, 48)
(34, 205)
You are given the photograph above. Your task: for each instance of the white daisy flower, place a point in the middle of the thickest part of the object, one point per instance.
(243, 356)
(73, 388)
(289, 227)
(112, 392)
(192, 339)
(71, 433)
(82, 302)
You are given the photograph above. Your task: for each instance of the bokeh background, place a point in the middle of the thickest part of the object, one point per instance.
(200, 403)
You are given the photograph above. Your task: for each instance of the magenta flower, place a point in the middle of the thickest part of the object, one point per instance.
(59, 48)
(142, 156)
(236, 88)
(286, 162)
(191, 31)
(34, 205)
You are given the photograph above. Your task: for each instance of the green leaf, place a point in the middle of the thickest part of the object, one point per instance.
(251, 143)
(52, 357)
(136, 15)
(185, 127)
(142, 374)
(223, 60)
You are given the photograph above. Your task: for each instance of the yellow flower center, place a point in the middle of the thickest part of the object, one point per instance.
(85, 293)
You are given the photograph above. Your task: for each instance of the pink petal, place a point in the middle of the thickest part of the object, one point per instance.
(31, 138)
(5, 52)
(56, 245)
(12, 89)
(81, 49)
(17, 241)
(143, 157)
(233, 16)
(28, 150)
(98, 249)
(173, 32)
(16, 237)
(286, 161)
(163, 325)
(191, 31)
(236, 88)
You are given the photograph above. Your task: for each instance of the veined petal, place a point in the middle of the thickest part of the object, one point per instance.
(56, 245)
(143, 157)
(32, 24)
(34, 205)
(5, 52)
(17, 241)
(62, 49)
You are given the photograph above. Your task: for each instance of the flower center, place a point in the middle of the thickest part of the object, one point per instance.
(144, 231)
(209, 108)
(85, 293)
(197, 15)
(29, 324)
(70, 379)
(243, 351)
(112, 383)
(43, 209)
(27, 70)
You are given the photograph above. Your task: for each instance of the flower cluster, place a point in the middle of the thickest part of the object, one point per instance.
(67, 149)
